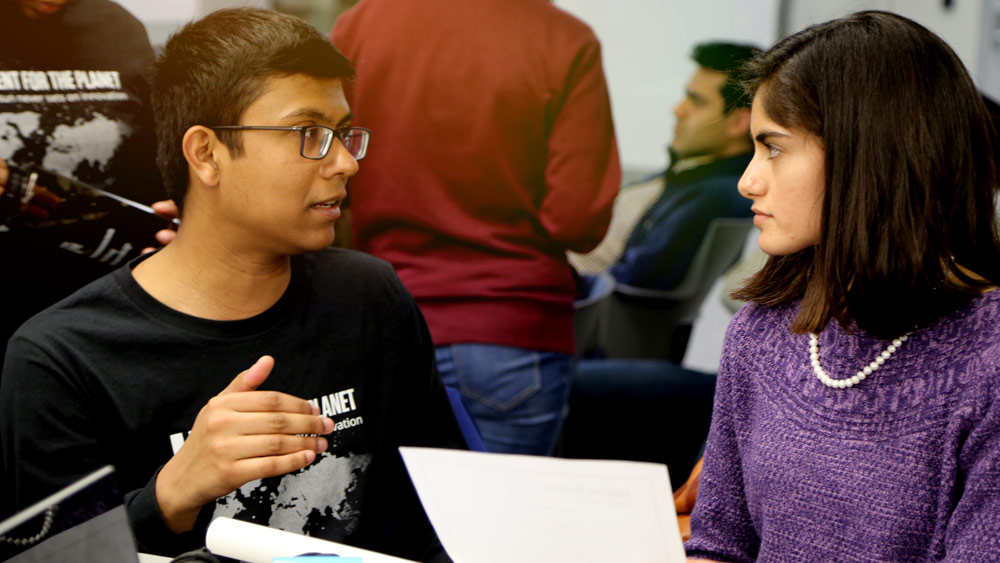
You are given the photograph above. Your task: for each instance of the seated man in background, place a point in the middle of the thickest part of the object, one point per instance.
(658, 224)
(244, 370)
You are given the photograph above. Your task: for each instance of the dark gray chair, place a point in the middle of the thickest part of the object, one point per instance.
(589, 314)
(635, 322)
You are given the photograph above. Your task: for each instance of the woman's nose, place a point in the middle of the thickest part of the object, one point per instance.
(750, 184)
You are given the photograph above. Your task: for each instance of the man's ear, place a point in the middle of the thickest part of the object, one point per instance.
(201, 150)
(738, 123)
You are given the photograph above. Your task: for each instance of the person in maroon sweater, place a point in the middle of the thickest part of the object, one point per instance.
(496, 155)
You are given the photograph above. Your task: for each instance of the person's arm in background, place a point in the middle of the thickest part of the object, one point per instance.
(583, 172)
(658, 256)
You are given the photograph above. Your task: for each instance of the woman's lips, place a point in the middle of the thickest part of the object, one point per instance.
(759, 217)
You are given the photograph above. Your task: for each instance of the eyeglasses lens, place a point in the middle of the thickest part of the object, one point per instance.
(316, 141)
(356, 142)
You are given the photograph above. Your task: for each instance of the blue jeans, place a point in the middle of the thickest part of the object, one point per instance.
(517, 397)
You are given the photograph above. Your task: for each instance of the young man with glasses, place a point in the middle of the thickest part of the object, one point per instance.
(246, 369)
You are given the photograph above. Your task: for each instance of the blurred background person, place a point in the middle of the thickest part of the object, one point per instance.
(659, 223)
(76, 103)
(496, 155)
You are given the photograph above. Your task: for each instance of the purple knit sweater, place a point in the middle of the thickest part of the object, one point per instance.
(904, 466)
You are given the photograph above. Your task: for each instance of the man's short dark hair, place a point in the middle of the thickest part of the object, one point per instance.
(214, 68)
(727, 58)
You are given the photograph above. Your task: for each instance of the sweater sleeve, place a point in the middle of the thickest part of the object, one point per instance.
(582, 173)
(721, 528)
(150, 528)
(973, 529)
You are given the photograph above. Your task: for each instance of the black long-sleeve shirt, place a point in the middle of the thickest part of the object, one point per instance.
(110, 375)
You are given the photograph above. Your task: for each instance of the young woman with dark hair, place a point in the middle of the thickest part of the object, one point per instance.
(857, 413)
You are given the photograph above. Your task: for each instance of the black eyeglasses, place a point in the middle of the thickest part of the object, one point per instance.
(317, 139)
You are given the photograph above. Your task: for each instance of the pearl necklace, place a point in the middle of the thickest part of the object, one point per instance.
(862, 373)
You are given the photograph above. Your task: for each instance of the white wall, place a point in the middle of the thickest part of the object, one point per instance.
(969, 26)
(646, 46)
(163, 17)
(958, 24)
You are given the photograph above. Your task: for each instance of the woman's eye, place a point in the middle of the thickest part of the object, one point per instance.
(773, 151)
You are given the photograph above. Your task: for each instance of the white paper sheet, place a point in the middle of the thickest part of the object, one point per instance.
(254, 543)
(498, 508)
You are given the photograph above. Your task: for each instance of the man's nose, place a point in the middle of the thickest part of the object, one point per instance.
(680, 110)
(339, 161)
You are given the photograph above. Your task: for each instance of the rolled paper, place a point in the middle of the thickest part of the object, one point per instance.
(254, 543)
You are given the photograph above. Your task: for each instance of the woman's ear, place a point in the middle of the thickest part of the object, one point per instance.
(201, 150)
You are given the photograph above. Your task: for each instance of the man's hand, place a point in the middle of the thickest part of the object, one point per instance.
(168, 210)
(241, 435)
(42, 200)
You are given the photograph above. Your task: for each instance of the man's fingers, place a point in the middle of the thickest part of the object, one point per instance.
(268, 445)
(257, 413)
(246, 470)
(251, 378)
(165, 236)
(44, 197)
(166, 208)
(32, 210)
